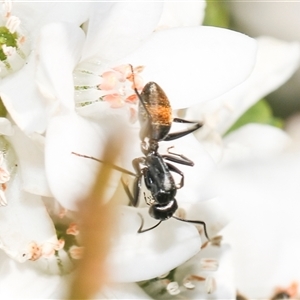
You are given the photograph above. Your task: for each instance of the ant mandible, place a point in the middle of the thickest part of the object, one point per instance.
(155, 117)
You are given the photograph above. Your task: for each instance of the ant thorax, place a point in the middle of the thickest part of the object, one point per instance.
(149, 146)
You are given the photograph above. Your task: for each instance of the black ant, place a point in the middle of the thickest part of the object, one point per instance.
(155, 117)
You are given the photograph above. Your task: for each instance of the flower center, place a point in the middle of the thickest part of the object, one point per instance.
(111, 86)
(59, 254)
(8, 164)
(14, 46)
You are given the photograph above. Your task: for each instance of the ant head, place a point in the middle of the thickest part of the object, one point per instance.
(163, 198)
(163, 211)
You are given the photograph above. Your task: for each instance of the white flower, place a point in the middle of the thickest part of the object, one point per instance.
(279, 24)
(23, 281)
(75, 131)
(276, 62)
(71, 177)
(26, 19)
(122, 291)
(260, 191)
(28, 234)
(20, 238)
(193, 65)
(178, 14)
(263, 196)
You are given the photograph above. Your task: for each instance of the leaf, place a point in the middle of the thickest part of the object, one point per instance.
(261, 113)
(3, 110)
(216, 14)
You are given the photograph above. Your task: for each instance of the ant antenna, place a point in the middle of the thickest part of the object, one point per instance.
(145, 230)
(194, 222)
(108, 163)
(138, 94)
(133, 79)
(140, 230)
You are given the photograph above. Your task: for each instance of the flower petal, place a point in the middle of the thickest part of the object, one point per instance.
(212, 262)
(118, 28)
(31, 163)
(59, 49)
(21, 281)
(264, 197)
(35, 14)
(212, 212)
(71, 177)
(136, 257)
(276, 62)
(22, 99)
(216, 59)
(178, 14)
(122, 291)
(18, 221)
(253, 141)
(194, 176)
(6, 127)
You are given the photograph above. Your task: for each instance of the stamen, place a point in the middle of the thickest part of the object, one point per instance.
(196, 278)
(210, 285)
(34, 251)
(4, 175)
(188, 284)
(12, 24)
(113, 86)
(188, 281)
(14, 46)
(291, 291)
(8, 51)
(67, 244)
(6, 6)
(60, 244)
(209, 264)
(62, 213)
(76, 252)
(173, 288)
(216, 241)
(52, 245)
(73, 229)
(4, 178)
(3, 201)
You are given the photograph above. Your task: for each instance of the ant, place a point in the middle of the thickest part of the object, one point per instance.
(155, 117)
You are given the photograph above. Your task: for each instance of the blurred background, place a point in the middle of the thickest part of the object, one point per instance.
(255, 18)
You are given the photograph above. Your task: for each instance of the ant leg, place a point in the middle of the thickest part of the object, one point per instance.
(194, 222)
(134, 199)
(183, 159)
(179, 134)
(137, 164)
(107, 163)
(176, 170)
(128, 193)
(179, 120)
(141, 230)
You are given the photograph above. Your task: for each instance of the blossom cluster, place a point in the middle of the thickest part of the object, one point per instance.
(70, 74)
